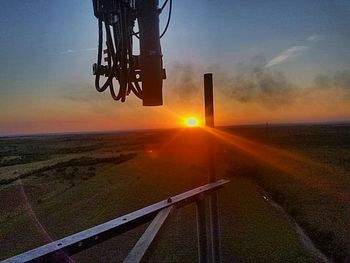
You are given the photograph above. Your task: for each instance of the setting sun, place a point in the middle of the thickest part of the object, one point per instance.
(191, 122)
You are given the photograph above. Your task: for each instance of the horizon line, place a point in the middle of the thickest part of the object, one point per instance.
(53, 133)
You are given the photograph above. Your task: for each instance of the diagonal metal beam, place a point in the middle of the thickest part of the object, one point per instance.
(60, 250)
(144, 243)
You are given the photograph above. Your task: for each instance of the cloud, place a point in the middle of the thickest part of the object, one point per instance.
(254, 83)
(68, 51)
(315, 38)
(287, 55)
(185, 82)
(335, 82)
(257, 84)
(251, 83)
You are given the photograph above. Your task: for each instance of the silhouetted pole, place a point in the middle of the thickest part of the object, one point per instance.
(213, 200)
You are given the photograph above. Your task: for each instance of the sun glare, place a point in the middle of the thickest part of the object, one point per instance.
(191, 122)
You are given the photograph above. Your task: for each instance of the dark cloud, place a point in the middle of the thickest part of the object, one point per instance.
(250, 82)
(253, 82)
(338, 81)
(184, 80)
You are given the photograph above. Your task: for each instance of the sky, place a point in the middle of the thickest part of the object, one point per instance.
(273, 61)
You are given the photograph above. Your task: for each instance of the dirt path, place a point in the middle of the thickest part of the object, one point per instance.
(304, 238)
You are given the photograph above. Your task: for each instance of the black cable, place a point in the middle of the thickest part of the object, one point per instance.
(169, 16)
(136, 34)
(110, 45)
(134, 90)
(163, 6)
(117, 41)
(112, 53)
(132, 74)
(123, 78)
(100, 41)
(120, 61)
(99, 59)
(138, 88)
(113, 94)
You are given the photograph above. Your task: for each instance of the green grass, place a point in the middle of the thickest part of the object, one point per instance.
(316, 196)
(67, 200)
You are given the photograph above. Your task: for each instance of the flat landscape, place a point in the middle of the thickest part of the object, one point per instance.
(288, 199)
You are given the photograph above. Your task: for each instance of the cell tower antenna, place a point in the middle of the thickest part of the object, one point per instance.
(124, 71)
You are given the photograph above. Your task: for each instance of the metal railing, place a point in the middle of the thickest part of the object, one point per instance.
(62, 249)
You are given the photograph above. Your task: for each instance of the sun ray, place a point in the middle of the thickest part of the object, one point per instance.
(290, 163)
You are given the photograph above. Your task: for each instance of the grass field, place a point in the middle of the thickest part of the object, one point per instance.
(53, 186)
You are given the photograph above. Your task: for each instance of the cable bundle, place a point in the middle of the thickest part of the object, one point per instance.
(116, 20)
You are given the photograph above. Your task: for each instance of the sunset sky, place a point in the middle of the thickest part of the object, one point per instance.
(273, 61)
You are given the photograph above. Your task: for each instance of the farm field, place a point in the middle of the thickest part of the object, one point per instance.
(55, 185)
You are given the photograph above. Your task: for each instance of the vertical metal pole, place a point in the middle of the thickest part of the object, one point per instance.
(202, 231)
(213, 200)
